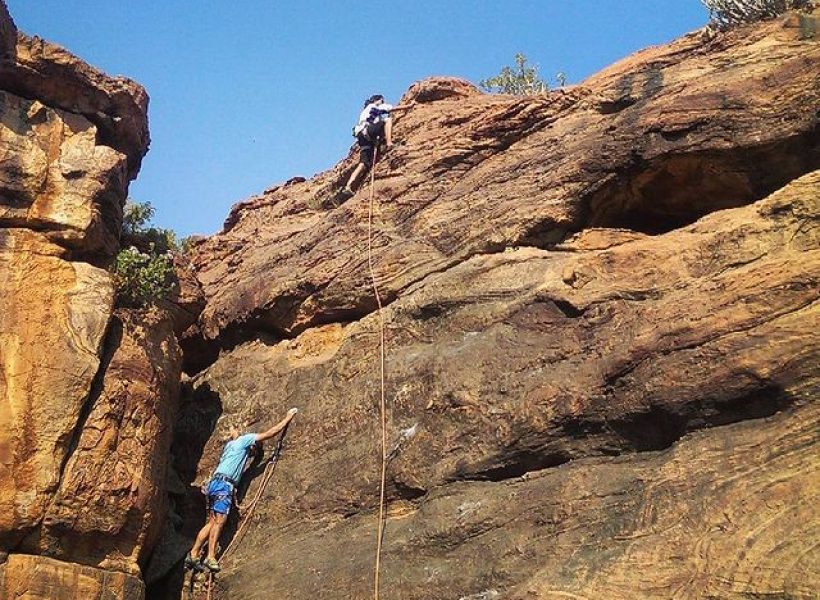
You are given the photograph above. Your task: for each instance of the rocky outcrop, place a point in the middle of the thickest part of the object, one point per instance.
(71, 139)
(187, 299)
(110, 503)
(27, 577)
(52, 328)
(56, 179)
(650, 144)
(88, 394)
(531, 358)
(715, 516)
(515, 364)
(600, 316)
(36, 69)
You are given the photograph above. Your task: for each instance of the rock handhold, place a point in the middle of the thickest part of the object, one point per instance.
(439, 88)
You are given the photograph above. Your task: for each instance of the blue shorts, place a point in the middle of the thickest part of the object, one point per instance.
(220, 496)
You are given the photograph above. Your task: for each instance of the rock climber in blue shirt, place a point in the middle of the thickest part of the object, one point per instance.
(220, 489)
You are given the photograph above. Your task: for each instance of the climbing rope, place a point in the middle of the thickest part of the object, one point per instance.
(380, 527)
(209, 586)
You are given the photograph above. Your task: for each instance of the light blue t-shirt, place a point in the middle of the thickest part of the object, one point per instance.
(232, 462)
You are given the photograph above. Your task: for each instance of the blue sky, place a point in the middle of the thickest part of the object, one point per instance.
(246, 96)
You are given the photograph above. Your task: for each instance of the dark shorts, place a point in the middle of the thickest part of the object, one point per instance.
(368, 140)
(220, 496)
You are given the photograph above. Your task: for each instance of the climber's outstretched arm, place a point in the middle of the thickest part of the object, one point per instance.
(402, 107)
(266, 435)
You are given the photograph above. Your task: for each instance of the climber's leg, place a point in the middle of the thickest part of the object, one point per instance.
(348, 189)
(218, 523)
(201, 538)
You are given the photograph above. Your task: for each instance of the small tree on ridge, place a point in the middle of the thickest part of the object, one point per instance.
(520, 80)
(726, 13)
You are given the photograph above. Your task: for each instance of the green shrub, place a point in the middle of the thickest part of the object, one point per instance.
(187, 244)
(135, 216)
(726, 13)
(144, 271)
(142, 278)
(136, 232)
(520, 80)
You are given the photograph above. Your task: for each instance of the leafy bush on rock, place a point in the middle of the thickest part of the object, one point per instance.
(520, 80)
(726, 13)
(142, 278)
(137, 232)
(144, 271)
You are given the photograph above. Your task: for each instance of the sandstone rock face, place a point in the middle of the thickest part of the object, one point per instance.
(650, 144)
(187, 300)
(600, 318)
(111, 499)
(52, 326)
(56, 179)
(531, 358)
(71, 139)
(26, 577)
(116, 105)
(87, 396)
(546, 364)
(714, 517)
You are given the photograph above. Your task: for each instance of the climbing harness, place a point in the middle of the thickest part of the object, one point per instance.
(380, 527)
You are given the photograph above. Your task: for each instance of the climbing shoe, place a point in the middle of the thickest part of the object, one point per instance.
(192, 563)
(347, 192)
(211, 565)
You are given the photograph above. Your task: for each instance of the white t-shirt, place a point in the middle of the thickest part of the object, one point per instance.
(373, 113)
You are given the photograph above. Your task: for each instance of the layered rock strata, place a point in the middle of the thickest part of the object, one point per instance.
(27, 577)
(52, 329)
(544, 364)
(87, 395)
(600, 316)
(601, 306)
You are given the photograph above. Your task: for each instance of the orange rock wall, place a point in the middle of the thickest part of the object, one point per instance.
(600, 316)
(87, 394)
